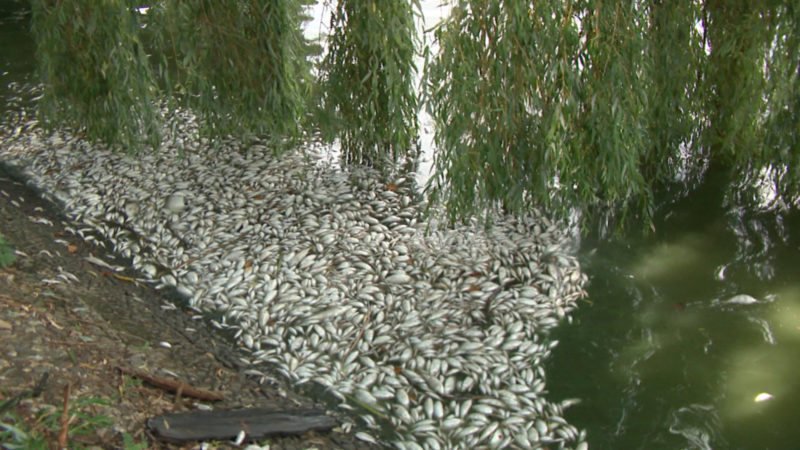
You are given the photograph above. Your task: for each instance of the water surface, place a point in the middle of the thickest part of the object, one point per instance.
(664, 355)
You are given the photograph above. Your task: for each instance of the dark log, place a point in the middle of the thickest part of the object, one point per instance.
(220, 425)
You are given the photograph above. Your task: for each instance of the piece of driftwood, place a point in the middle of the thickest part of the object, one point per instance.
(255, 422)
(174, 386)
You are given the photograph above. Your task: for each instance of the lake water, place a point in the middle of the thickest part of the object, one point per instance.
(659, 354)
(666, 356)
(16, 56)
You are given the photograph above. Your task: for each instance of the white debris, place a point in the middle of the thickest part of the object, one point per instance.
(762, 397)
(741, 299)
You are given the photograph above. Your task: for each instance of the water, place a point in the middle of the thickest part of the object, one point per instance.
(658, 358)
(662, 359)
(17, 62)
(16, 57)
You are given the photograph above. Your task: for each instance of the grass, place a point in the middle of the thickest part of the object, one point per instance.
(42, 431)
(6, 253)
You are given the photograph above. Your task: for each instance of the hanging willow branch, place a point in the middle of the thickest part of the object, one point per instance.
(782, 123)
(368, 80)
(241, 65)
(95, 72)
(597, 104)
(593, 104)
(504, 93)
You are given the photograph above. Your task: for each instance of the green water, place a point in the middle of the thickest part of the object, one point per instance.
(661, 361)
(16, 46)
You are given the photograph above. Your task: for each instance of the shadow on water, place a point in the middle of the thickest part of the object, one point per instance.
(17, 63)
(666, 355)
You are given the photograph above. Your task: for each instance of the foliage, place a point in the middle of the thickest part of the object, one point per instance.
(594, 104)
(14, 438)
(737, 36)
(6, 253)
(781, 122)
(95, 71)
(675, 67)
(15, 433)
(566, 104)
(368, 80)
(240, 65)
(129, 443)
(502, 91)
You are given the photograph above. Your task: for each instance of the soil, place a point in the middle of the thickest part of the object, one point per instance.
(83, 331)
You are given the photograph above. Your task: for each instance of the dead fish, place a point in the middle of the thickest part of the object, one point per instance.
(741, 299)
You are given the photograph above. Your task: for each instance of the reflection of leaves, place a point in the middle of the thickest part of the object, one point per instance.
(6, 253)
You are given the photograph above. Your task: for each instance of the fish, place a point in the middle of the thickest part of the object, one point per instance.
(329, 277)
(741, 299)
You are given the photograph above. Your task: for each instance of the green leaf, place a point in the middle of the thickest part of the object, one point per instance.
(6, 253)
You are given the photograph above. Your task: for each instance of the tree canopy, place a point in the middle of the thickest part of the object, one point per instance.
(589, 104)
(242, 67)
(367, 78)
(599, 104)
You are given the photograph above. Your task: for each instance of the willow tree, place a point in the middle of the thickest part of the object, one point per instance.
(239, 65)
(593, 104)
(599, 104)
(367, 78)
(782, 124)
(95, 72)
(501, 92)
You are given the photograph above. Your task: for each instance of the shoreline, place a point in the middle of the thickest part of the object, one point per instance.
(333, 278)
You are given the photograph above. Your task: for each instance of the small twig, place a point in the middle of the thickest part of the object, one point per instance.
(73, 344)
(174, 386)
(52, 322)
(65, 419)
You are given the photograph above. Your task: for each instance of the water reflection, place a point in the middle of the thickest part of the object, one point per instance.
(16, 63)
(693, 335)
(699, 424)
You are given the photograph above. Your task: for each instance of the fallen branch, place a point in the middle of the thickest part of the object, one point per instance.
(174, 386)
(222, 425)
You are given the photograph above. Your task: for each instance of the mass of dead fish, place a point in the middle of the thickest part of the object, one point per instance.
(427, 335)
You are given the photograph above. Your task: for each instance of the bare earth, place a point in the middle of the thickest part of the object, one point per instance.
(83, 332)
